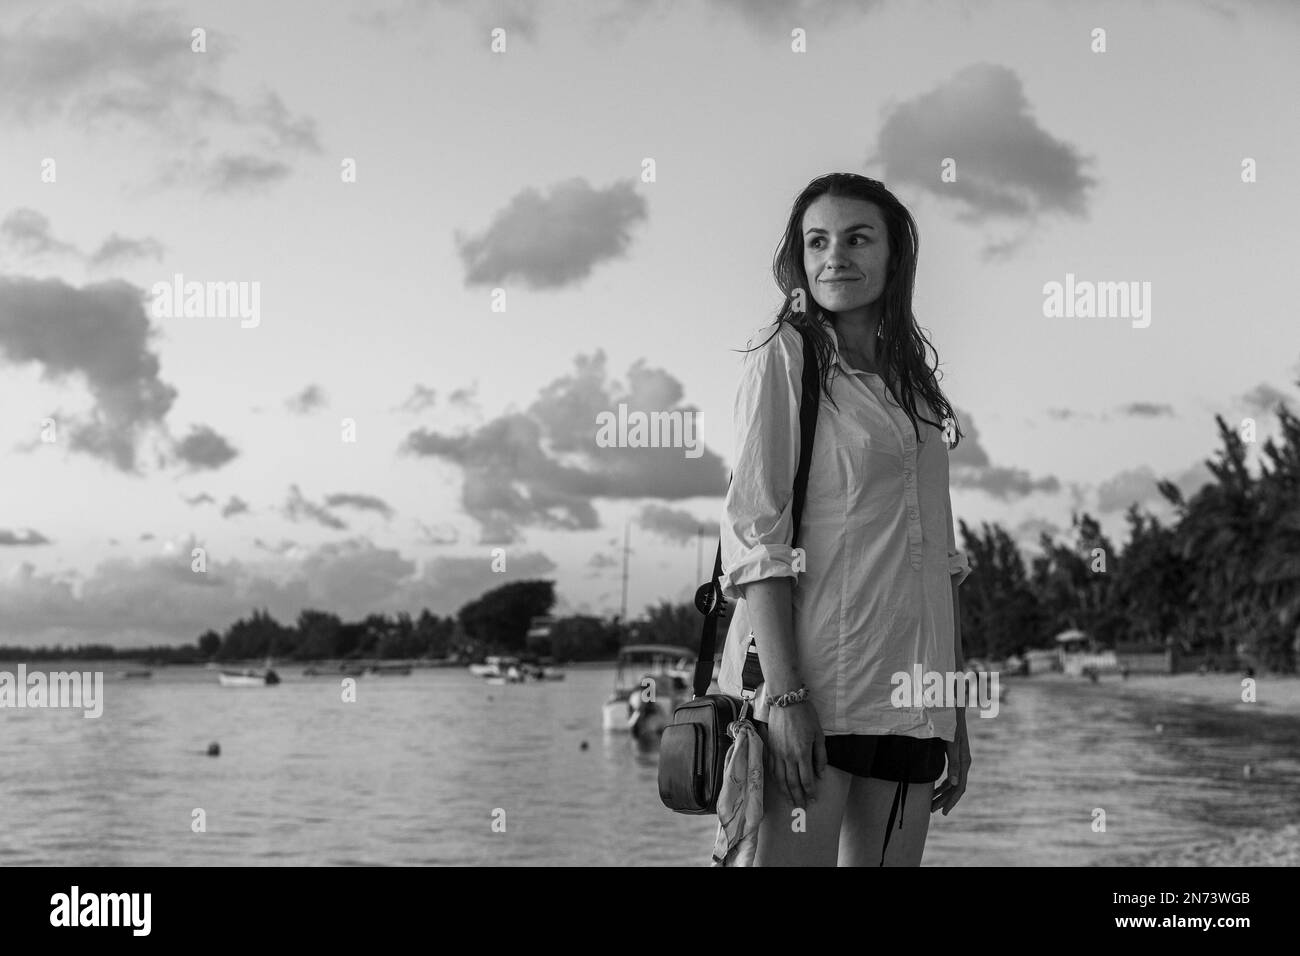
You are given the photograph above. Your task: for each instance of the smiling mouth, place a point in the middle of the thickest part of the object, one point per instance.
(837, 281)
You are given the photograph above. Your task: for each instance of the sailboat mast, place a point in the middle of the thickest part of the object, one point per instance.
(627, 531)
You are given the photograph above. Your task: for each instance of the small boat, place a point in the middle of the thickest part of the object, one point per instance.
(644, 707)
(389, 670)
(343, 670)
(496, 666)
(249, 677)
(134, 675)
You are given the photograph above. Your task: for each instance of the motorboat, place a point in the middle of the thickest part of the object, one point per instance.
(495, 666)
(249, 677)
(650, 680)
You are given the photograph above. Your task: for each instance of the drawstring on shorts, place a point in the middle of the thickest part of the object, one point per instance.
(900, 801)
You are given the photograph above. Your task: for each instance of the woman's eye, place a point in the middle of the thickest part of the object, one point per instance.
(813, 243)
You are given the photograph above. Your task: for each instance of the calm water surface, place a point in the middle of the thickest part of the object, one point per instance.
(412, 772)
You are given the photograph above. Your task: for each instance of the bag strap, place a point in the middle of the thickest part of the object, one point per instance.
(708, 599)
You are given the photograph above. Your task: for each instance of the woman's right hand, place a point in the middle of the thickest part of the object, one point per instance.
(797, 750)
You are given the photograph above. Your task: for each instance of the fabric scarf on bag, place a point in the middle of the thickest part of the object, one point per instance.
(740, 802)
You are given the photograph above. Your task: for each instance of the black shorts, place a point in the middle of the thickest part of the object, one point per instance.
(883, 756)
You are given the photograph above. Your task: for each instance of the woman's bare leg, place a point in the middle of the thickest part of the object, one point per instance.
(866, 812)
(815, 841)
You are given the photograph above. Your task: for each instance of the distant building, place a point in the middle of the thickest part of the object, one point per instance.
(538, 638)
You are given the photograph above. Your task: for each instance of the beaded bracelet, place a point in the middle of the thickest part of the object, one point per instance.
(790, 697)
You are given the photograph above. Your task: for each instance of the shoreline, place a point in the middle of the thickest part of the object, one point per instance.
(1275, 696)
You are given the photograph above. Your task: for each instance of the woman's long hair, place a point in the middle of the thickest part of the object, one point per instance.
(902, 345)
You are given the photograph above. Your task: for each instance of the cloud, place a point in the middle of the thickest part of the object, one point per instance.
(116, 250)
(101, 334)
(234, 506)
(226, 174)
(308, 400)
(22, 539)
(161, 600)
(441, 534)
(93, 68)
(28, 234)
(1007, 166)
(542, 467)
(553, 241)
(1146, 410)
(675, 524)
(360, 502)
(200, 499)
(422, 397)
(971, 467)
(298, 508)
(204, 448)
(1263, 399)
(1138, 486)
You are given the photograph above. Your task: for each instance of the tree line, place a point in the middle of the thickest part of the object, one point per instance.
(1220, 583)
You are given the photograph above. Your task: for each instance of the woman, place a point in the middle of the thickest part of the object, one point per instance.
(874, 591)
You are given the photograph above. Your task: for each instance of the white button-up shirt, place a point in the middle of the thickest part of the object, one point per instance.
(877, 536)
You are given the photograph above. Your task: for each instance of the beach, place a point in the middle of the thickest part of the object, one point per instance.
(1274, 695)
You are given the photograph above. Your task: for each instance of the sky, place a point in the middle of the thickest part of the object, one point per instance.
(381, 435)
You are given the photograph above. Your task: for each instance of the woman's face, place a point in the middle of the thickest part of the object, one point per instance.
(846, 240)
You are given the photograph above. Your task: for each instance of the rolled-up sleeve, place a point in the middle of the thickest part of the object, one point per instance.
(958, 563)
(757, 513)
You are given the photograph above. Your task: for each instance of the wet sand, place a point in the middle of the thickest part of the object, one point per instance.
(1274, 695)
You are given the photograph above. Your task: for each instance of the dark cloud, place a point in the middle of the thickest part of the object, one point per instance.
(23, 538)
(298, 508)
(547, 242)
(1263, 399)
(1138, 486)
(675, 524)
(542, 467)
(360, 502)
(204, 449)
(1146, 410)
(971, 467)
(94, 68)
(234, 506)
(308, 400)
(422, 397)
(28, 233)
(161, 600)
(1007, 165)
(116, 250)
(101, 334)
(441, 534)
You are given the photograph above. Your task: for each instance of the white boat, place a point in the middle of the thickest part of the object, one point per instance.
(496, 666)
(249, 677)
(643, 707)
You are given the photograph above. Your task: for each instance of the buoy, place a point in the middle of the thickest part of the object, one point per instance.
(583, 745)
(1245, 771)
(1160, 728)
(214, 749)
